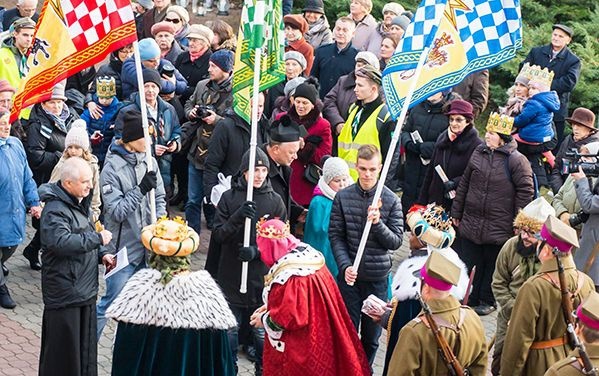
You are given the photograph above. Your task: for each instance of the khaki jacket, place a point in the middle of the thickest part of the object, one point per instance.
(416, 351)
(537, 316)
(571, 365)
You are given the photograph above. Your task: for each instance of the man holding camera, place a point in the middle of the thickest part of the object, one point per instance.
(208, 103)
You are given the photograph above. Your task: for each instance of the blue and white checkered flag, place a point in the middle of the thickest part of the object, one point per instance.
(464, 36)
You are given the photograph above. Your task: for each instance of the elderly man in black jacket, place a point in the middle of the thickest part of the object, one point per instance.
(71, 250)
(351, 208)
(558, 58)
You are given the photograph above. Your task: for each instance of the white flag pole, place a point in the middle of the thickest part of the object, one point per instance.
(144, 119)
(389, 158)
(259, 12)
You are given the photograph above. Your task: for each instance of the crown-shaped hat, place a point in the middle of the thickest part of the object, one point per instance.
(537, 74)
(502, 124)
(272, 229)
(105, 87)
(432, 225)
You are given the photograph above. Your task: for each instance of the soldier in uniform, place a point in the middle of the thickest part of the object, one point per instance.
(587, 330)
(536, 335)
(459, 325)
(517, 261)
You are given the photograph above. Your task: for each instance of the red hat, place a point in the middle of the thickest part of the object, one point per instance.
(5, 86)
(274, 240)
(297, 22)
(163, 26)
(460, 107)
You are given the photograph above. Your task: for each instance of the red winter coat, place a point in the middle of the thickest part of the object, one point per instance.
(318, 143)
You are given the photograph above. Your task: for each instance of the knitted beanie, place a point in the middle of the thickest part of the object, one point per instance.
(77, 135)
(148, 49)
(132, 126)
(334, 167)
(152, 75)
(294, 55)
(223, 59)
(308, 91)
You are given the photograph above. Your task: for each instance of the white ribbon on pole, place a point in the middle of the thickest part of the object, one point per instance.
(389, 158)
(258, 20)
(144, 119)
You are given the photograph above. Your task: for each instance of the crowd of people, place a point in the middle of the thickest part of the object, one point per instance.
(513, 208)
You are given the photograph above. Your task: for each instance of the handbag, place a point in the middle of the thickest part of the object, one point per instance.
(312, 173)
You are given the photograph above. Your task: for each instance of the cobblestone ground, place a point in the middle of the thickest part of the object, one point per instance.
(20, 329)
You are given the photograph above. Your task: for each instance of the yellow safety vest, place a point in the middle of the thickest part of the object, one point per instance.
(367, 134)
(10, 72)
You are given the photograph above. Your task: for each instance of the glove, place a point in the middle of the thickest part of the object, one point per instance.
(247, 210)
(449, 185)
(313, 139)
(148, 182)
(248, 253)
(96, 139)
(414, 147)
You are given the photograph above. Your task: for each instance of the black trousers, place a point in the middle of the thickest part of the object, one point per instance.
(484, 257)
(69, 346)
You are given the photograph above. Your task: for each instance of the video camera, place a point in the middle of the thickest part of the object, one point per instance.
(572, 161)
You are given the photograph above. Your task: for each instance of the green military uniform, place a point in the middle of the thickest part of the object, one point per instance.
(417, 351)
(571, 366)
(536, 335)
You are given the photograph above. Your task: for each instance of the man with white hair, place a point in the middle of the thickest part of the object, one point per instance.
(24, 8)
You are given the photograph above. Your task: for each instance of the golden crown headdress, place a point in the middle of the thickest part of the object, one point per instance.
(502, 124)
(270, 231)
(537, 74)
(437, 217)
(105, 87)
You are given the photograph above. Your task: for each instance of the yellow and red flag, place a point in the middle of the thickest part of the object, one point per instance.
(70, 36)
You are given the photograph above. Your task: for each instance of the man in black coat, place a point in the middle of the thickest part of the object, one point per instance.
(71, 250)
(226, 245)
(558, 58)
(351, 208)
(23, 8)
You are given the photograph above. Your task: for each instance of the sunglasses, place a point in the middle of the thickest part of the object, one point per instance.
(173, 20)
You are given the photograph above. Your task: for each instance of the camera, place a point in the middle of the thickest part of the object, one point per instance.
(203, 110)
(578, 218)
(167, 69)
(572, 161)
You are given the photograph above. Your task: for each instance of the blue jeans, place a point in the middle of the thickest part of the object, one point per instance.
(243, 314)
(195, 195)
(353, 296)
(114, 285)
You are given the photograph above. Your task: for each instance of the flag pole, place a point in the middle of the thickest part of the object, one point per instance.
(389, 158)
(256, 33)
(144, 120)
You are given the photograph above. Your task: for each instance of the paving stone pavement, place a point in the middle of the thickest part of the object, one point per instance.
(20, 329)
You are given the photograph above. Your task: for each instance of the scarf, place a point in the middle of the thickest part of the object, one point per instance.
(326, 191)
(193, 56)
(61, 120)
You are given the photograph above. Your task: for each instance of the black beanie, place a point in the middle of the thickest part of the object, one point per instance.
(261, 160)
(152, 75)
(132, 126)
(308, 91)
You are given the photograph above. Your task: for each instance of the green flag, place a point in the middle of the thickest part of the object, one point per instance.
(253, 33)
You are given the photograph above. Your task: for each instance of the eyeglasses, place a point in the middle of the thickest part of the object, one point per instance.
(173, 20)
(457, 119)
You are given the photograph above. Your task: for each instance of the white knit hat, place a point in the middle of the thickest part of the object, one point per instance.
(77, 135)
(334, 167)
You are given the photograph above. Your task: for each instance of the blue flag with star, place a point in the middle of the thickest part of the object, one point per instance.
(464, 36)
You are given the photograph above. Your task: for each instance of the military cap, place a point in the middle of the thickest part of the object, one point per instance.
(559, 235)
(439, 272)
(23, 23)
(588, 311)
(284, 130)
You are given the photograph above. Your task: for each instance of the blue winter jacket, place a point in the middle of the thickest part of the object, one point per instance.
(18, 192)
(535, 121)
(105, 125)
(129, 78)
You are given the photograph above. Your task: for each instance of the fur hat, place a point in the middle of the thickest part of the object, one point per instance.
(223, 59)
(163, 26)
(534, 215)
(432, 225)
(77, 135)
(394, 8)
(148, 49)
(292, 84)
(368, 58)
(334, 167)
(294, 55)
(132, 126)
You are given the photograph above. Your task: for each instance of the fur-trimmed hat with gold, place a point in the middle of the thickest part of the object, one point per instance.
(532, 217)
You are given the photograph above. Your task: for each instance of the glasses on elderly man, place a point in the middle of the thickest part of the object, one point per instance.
(173, 20)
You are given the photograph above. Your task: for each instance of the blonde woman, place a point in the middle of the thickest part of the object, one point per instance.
(77, 145)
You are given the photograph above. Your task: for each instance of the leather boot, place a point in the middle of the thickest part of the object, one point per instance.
(33, 256)
(5, 299)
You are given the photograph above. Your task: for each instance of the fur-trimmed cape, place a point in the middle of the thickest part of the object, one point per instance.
(188, 301)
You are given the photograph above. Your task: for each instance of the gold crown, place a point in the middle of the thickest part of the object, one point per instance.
(437, 217)
(500, 123)
(105, 87)
(271, 232)
(536, 74)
